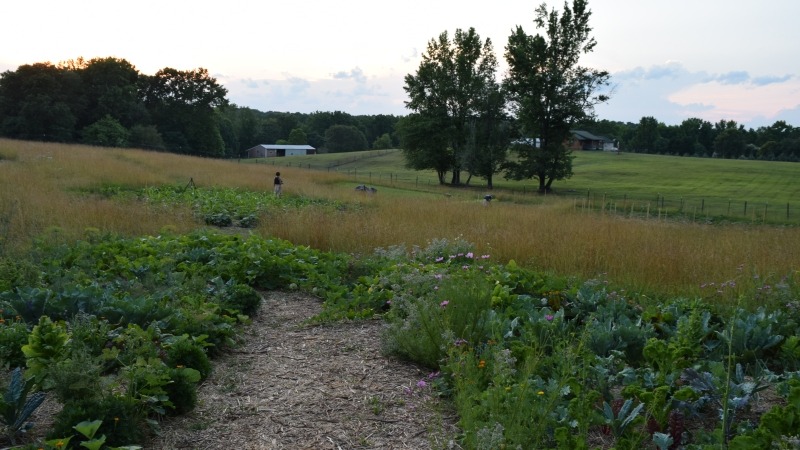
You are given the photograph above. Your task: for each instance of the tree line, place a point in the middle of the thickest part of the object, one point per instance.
(108, 102)
(701, 138)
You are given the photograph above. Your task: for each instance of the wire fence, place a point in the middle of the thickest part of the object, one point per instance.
(694, 208)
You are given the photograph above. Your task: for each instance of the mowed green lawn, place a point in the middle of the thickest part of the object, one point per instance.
(700, 185)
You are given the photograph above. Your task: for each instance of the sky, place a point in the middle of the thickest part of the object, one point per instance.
(711, 59)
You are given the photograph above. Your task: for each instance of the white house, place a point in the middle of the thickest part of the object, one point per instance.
(275, 150)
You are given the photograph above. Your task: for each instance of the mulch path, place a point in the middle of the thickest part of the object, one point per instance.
(296, 386)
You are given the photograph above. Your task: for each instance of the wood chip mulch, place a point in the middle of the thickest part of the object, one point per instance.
(295, 386)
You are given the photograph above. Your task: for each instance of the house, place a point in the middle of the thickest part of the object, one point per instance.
(274, 150)
(583, 140)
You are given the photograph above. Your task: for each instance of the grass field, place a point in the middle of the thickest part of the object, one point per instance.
(47, 187)
(698, 188)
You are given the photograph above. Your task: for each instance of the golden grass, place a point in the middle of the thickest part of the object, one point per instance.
(40, 188)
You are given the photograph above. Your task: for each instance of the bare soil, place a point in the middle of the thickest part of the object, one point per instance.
(295, 386)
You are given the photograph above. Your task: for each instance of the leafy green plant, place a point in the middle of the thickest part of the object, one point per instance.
(182, 390)
(16, 406)
(777, 426)
(77, 375)
(46, 345)
(117, 417)
(88, 430)
(188, 351)
(13, 335)
(751, 336)
(727, 393)
(619, 418)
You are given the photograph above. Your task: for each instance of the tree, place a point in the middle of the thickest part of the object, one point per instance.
(729, 143)
(146, 136)
(447, 90)
(297, 137)
(106, 132)
(647, 135)
(344, 138)
(111, 88)
(182, 106)
(424, 147)
(382, 142)
(550, 91)
(490, 135)
(41, 102)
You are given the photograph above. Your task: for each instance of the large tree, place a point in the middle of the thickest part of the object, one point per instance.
(447, 90)
(182, 106)
(550, 91)
(40, 102)
(490, 135)
(344, 138)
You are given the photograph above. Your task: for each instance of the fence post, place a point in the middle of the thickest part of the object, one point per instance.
(702, 206)
(745, 208)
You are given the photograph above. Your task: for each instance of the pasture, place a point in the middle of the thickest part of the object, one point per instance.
(51, 186)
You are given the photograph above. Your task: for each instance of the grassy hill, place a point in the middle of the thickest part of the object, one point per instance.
(695, 187)
(48, 189)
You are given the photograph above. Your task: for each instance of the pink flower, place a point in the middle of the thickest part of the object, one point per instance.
(548, 317)
(440, 259)
(444, 303)
(421, 384)
(470, 255)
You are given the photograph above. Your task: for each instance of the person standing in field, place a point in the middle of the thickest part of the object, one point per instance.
(277, 184)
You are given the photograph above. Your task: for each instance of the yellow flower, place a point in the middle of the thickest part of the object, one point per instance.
(481, 364)
(540, 393)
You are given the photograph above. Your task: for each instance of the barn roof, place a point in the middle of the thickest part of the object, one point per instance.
(285, 147)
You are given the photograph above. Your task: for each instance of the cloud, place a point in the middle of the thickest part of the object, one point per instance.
(738, 77)
(351, 91)
(412, 57)
(355, 74)
(769, 79)
(671, 93)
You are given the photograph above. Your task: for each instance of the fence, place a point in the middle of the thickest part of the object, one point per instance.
(699, 209)
(691, 208)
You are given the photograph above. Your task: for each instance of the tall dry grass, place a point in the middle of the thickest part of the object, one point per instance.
(658, 256)
(44, 186)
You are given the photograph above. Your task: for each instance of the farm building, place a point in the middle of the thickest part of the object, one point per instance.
(583, 140)
(275, 150)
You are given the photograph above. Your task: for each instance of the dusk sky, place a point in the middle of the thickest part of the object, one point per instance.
(713, 59)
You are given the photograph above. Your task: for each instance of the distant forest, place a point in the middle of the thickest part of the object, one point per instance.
(107, 102)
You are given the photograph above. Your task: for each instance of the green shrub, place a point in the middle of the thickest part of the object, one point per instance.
(221, 219)
(182, 390)
(13, 335)
(77, 375)
(422, 329)
(122, 420)
(186, 351)
(240, 298)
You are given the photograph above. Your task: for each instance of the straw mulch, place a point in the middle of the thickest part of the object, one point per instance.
(294, 386)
